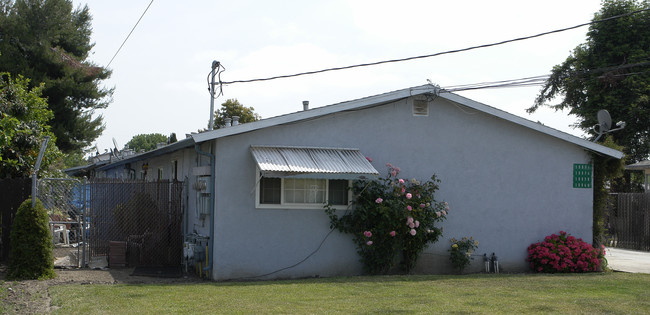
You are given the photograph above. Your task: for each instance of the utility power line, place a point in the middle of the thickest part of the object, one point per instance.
(435, 54)
(131, 32)
(541, 79)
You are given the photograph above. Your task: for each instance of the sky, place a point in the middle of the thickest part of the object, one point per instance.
(160, 74)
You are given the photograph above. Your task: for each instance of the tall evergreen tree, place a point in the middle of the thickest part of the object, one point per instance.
(611, 71)
(48, 42)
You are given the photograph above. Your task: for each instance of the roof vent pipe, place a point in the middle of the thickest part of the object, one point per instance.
(227, 120)
(235, 120)
(305, 105)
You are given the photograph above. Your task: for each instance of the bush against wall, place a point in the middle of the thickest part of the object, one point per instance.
(393, 220)
(460, 252)
(31, 244)
(564, 253)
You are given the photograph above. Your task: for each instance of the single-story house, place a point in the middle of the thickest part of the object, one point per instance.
(643, 166)
(257, 189)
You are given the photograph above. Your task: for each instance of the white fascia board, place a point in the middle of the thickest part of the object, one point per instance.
(314, 113)
(532, 125)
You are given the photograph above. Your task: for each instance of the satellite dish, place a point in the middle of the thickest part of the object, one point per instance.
(116, 151)
(604, 121)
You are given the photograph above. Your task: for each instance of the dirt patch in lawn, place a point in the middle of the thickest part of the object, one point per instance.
(32, 296)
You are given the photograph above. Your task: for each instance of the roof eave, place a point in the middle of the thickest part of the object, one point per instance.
(370, 101)
(594, 147)
(181, 144)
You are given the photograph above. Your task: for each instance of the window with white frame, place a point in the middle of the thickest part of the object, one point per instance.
(302, 192)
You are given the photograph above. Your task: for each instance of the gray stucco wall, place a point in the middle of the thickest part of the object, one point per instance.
(508, 186)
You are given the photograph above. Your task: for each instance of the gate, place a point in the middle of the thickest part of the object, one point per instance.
(628, 221)
(64, 200)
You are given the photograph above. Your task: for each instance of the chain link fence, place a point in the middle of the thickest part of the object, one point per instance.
(115, 223)
(135, 223)
(64, 201)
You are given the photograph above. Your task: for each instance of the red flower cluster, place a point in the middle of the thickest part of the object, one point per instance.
(564, 253)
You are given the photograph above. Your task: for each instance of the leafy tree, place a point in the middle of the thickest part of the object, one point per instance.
(146, 142)
(611, 71)
(31, 244)
(23, 126)
(172, 138)
(232, 107)
(48, 42)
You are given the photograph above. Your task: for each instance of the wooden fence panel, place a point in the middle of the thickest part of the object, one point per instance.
(12, 193)
(628, 221)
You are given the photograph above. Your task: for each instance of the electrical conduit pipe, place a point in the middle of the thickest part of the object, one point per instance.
(208, 267)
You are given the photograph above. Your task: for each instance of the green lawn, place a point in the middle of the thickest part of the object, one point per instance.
(530, 293)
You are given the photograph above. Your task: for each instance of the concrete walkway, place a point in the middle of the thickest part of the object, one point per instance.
(628, 260)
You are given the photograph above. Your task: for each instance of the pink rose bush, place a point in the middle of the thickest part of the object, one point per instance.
(393, 220)
(564, 253)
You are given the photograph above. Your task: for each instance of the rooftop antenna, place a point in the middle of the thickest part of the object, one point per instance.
(605, 124)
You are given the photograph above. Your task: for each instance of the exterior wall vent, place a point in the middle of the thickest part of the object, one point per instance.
(420, 107)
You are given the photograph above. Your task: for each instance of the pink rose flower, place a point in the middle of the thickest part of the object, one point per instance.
(409, 208)
(401, 181)
(413, 232)
(403, 190)
(411, 225)
(422, 205)
(444, 212)
(417, 223)
(438, 213)
(409, 220)
(392, 233)
(409, 196)
(367, 233)
(369, 243)
(379, 200)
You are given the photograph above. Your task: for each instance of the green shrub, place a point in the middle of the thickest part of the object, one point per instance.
(31, 244)
(460, 252)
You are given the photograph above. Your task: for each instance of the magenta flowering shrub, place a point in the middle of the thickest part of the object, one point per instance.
(393, 220)
(564, 253)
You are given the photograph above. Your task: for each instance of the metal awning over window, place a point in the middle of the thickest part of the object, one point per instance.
(308, 162)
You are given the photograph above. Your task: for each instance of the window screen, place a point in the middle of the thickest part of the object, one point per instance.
(338, 192)
(270, 189)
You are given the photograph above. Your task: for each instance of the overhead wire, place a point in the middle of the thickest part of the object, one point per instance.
(542, 79)
(131, 32)
(438, 53)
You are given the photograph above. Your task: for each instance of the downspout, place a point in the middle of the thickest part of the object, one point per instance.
(211, 189)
